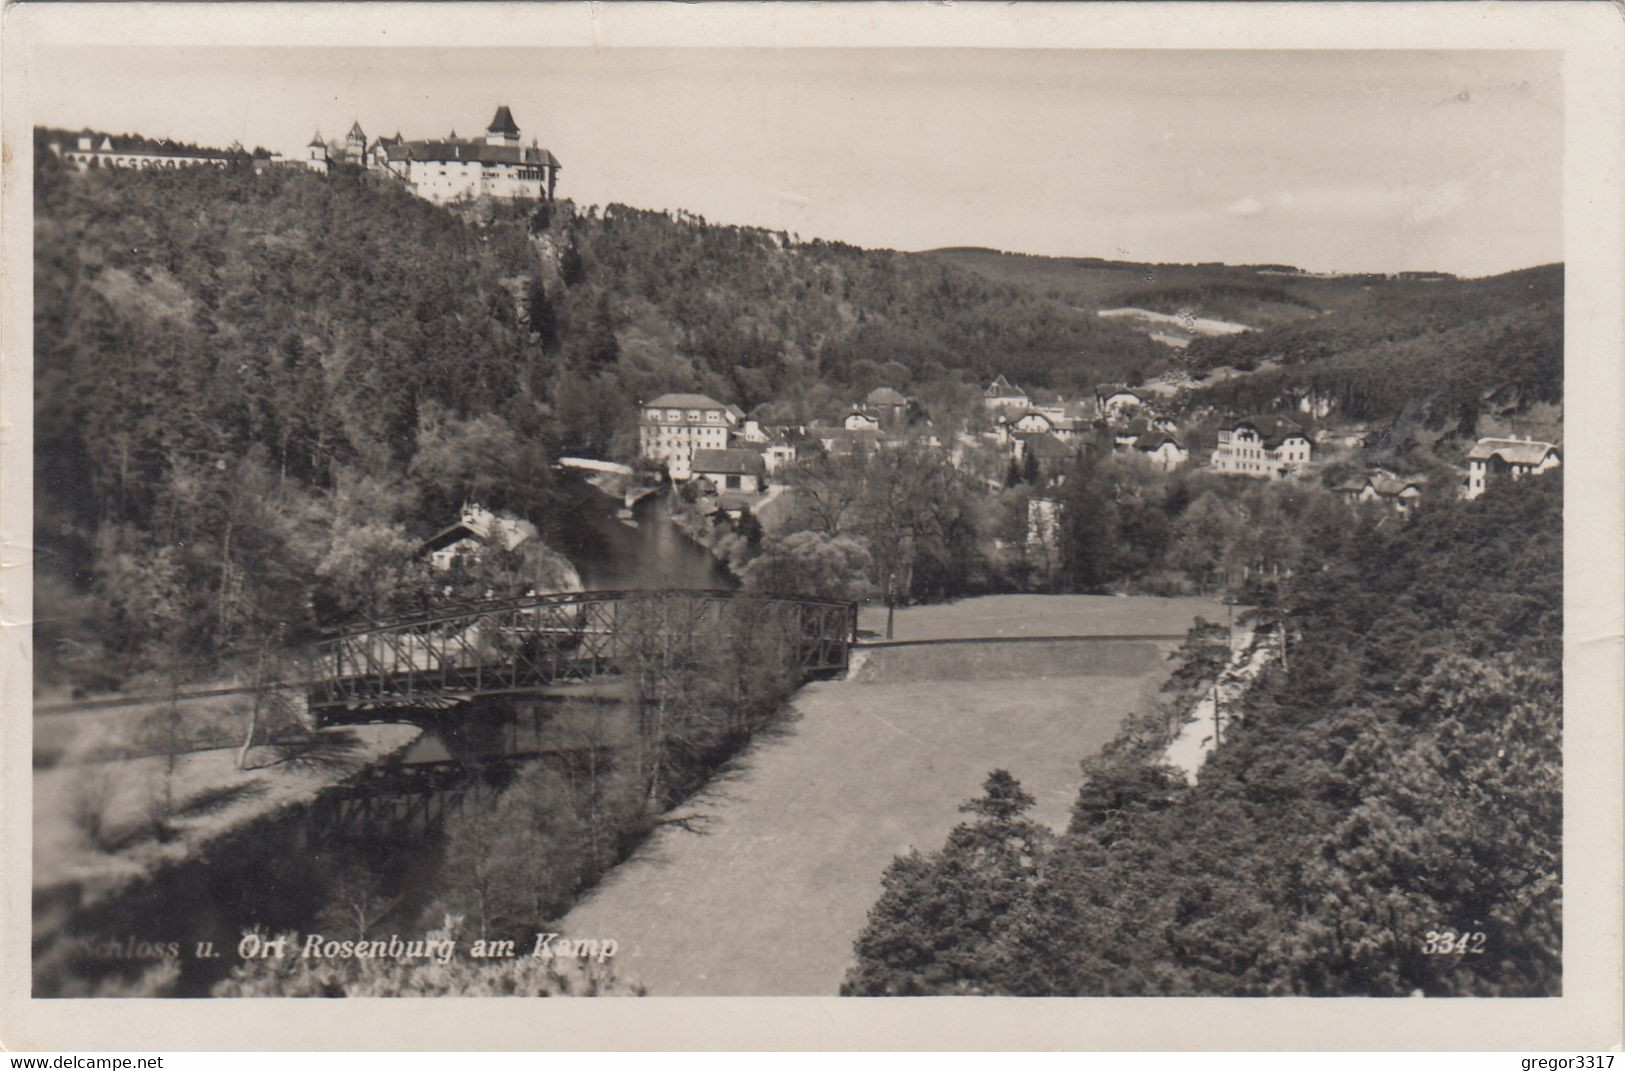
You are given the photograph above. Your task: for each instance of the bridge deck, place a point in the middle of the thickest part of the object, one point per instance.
(518, 645)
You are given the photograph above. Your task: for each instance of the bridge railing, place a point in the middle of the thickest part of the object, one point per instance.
(515, 645)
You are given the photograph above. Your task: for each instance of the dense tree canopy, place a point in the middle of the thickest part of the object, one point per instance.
(1384, 817)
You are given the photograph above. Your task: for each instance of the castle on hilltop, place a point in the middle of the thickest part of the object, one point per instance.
(453, 168)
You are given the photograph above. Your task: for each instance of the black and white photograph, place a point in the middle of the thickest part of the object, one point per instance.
(803, 519)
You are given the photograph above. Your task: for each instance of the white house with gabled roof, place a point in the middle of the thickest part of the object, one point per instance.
(1493, 459)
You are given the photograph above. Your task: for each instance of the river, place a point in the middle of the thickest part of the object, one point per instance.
(650, 552)
(379, 838)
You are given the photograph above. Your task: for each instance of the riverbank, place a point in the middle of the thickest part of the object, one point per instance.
(103, 825)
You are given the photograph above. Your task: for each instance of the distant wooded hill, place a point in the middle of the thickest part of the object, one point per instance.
(1444, 349)
(1448, 351)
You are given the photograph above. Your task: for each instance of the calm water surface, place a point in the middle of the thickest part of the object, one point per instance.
(297, 872)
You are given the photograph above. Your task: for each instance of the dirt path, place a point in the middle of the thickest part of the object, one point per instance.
(765, 889)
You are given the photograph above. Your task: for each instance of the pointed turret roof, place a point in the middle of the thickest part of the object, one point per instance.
(316, 139)
(356, 131)
(502, 122)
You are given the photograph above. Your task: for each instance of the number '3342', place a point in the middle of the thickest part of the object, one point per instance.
(1451, 943)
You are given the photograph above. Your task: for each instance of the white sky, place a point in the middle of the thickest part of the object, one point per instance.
(1355, 160)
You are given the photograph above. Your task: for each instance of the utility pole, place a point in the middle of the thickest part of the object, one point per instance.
(891, 601)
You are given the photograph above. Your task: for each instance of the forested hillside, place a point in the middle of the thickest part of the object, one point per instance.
(255, 392)
(1255, 295)
(1398, 778)
(1447, 350)
(757, 317)
(1440, 350)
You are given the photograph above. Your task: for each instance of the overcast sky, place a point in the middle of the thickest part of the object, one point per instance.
(1354, 161)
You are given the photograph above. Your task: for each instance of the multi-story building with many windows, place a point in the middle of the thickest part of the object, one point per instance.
(673, 426)
(1267, 447)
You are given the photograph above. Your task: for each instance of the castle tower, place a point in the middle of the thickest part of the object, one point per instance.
(316, 153)
(503, 130)
(355, 145)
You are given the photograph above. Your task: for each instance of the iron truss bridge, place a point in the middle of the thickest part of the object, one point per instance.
(515, 646)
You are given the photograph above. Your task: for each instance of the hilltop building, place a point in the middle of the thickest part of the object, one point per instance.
(462, 169)
(1267, 447)
(1497, 459)
(89, 150)
(672, 427)
(316, 154)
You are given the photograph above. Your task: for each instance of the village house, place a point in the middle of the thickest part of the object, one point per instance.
(477, 529)
(673, 426)
(750, 432)
(1069, 421)
(1052, 455)
(1028, 422)
(890, 406)
(1002, 395)
(1401, 495)
(779, 453)
(462, 169)
(1267, 447)
(1161, 448)
(858, 420)
(1497, 459)
(1116, 402)
(744, 471)
(839, 442)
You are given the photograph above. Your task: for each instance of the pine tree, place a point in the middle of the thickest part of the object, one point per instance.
(941, 923)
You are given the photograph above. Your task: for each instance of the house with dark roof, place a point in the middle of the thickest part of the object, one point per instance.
(890, 406)
(1025, 422)
(1161, 448)
(1397, 493)
(1497, 459)
(463, 169)
(1117, 401)
(744, 471)
(1001, 394)
(1051, 454)
(475, 530)
(1263, 447)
